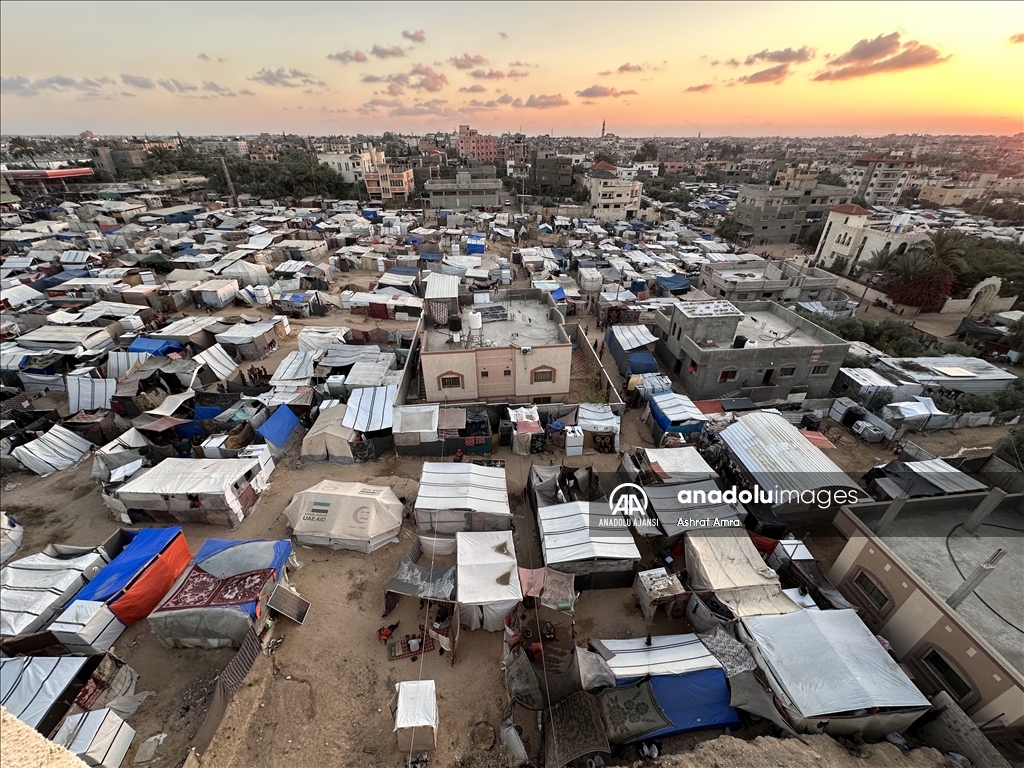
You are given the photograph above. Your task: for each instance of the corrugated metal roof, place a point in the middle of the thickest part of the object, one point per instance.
(777, 456)
(442, 286)
(945, 477)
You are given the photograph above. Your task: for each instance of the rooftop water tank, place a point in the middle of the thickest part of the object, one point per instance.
(474, 320)
(454, 323)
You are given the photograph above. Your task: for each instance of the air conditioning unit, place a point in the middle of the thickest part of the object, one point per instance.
(527, 350)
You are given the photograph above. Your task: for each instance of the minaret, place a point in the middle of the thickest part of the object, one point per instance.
(603, 122)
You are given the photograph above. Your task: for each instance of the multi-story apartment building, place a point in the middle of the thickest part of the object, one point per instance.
(783, 213)
(266, 151)
(476, 146)
(117, 161)
(756, 279)
(715, 348)
(880, 179)
(853, 234)
(234, 147)
(464, 191)
(384, 181)
(612, 198)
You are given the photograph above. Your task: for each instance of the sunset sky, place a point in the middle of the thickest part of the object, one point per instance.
(742, 69)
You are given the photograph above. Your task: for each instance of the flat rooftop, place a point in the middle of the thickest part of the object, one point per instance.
(701, 309)
(767, 328)
(918, 537)
(528, 324)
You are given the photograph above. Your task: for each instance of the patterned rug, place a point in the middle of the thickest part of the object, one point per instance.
(400, 650)
(201, 589)
(631, 712)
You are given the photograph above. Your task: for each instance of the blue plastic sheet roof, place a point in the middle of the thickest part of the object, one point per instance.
(558, 293)
(641, 362)
(154, 346)
(279, 427)
(673, 282)
(144, 546)
(694, 701)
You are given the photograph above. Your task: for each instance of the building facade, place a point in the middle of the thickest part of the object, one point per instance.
(476, 146)
(756, 279)
(784, 213)
(880, 179)
(233, 147)
(717, 348)
(552, 172)
(463, 192)
(612, 198)
(852, 235)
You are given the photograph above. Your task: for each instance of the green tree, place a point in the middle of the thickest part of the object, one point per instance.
(1011, 448)
(23, 147)
(729, 230)
(1015, 338)
(648, 153)
(826, 176)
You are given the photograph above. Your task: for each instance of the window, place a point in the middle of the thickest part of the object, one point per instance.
(543, 376)
(483, 374)
(820, 370)
(508, 372)
(871, 591)
(767, 295)
(541, 400)
(947, 676)
(450, 380)
(786, 372)
(729, 374)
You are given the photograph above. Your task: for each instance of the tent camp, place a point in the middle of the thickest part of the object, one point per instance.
(725, 561)
(212, 491)
(327, 439)
(345, 516)
(58, 449)
(414, 708)
(370, 413)
(672, 413)
(35, 588)
(831, 674)
(573, 542)
(678, 678)
(461, 497)
(100, 738)
(120, 458)
(487, 579)
(414, 426)
(215, 602)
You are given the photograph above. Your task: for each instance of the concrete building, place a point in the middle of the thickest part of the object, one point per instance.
(520, 355)
(631, 172)
(463, 192)
(612, 198)
(783, 213)
(726, 172)
(263, 151)
(386, 182)
(880, 179)
(716, 348)
(756, 279)
(948, 193)
(350, 165)
(514, 152)
(117, 161)
(234, 147)
(853, 234)
(476, 146)
(906, 564)
(552, 172)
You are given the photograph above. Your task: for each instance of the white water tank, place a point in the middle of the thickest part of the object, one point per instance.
(474, 320)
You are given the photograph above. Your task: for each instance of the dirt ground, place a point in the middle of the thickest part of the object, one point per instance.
(323, 697)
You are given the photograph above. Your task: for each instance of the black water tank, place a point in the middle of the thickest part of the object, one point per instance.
(740, 342)
(454, 323)
(810, 421)
(852, 416)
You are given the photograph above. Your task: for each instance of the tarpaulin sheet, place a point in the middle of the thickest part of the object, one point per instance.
(31, 685)
(137, 579)
(58, 449)
(279, 427)
(154, 346)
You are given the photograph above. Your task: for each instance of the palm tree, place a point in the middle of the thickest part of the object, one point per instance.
(881, 260)
(947, 248)
(912, 264)
(22, 147)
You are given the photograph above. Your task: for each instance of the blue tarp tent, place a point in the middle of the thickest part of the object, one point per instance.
(154, 346)
(640, 362)
(674, 413)
(431, 256)
(694, 701)
(674, 284)
(279, 427)
(558, 294)
(207, 411)
(276, 558)
(475, 244)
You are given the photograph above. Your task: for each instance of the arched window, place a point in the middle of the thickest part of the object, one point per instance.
(450, 380)
(543, 374)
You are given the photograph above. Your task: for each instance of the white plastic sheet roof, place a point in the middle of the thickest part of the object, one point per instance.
(633, 336)
(180, 476)
(58, 449)
(829, 662)
(597, 417)
(945, 477)
(371, 409)
(421, 419)
(30, 685)
(678, 408)
(171, 403)
(218, 360)
(567, 535)
(685, 463)
(463, 486)
(777, 456)
(666, 655)
(417, 705)
(487, 568)
(88, 394)
(297, 367)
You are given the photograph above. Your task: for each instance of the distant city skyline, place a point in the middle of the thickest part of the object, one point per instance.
(648, 69)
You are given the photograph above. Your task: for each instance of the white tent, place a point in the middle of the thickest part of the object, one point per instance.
(31, 685)
(88, 394)
(725, 561)
(666, 655)
(571, 539)
(826, 666)
(11, 535)
(345, 516)
(327, 439)
(33, 589)
(450, 494)
(87, 627)
(58, 449)
(416, 718)
(370, 409)
(487, 579)
(100, 738)
(415, 424)
(217, 360)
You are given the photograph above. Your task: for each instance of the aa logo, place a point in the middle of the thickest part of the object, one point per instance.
(629, 500)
